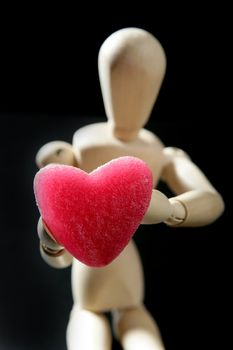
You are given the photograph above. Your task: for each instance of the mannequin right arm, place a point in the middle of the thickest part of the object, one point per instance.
(52, 253)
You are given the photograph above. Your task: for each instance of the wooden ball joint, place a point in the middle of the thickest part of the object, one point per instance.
(131, 69)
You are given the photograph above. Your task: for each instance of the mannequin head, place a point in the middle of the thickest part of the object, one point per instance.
(131, 69)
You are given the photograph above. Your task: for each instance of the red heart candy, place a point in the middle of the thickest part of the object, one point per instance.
(94, 215)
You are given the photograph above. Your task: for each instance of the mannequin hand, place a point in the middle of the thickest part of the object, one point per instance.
(46, 240)
(159, 210)
(52, 253)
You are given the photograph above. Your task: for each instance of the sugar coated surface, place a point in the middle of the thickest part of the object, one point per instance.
(94, 215)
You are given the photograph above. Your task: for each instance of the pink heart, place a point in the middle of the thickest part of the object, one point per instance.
(94, 215)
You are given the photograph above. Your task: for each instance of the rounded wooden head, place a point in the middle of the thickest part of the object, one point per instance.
(131, 65)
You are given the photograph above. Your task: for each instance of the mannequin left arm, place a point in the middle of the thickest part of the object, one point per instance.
(197, 203)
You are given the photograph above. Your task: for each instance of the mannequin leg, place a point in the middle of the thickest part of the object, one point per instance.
(88, 331)
(136, 329)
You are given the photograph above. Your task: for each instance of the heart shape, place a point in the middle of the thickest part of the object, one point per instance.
(94, 215)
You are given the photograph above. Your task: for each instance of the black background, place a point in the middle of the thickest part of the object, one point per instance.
(50, 88)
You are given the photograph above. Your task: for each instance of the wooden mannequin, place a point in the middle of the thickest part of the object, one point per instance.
(131, 68)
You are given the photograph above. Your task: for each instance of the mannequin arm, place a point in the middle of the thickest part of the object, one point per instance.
(196, 203)
(56, 152)
(52, 253)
